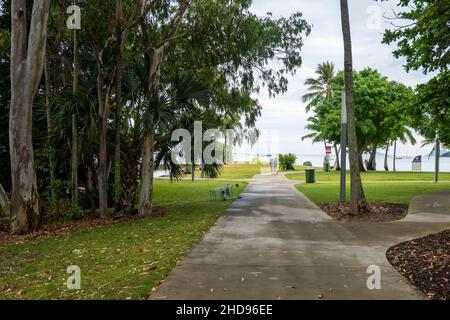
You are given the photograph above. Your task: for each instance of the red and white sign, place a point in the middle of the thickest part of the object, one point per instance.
(328, 150)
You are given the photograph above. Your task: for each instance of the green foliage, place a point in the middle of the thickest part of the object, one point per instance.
(287, 162)
(423, 39)
(431, 110)
(381, 109)
(220, 54)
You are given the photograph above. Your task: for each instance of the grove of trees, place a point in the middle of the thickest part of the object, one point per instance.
(91, 111)
(381, 109)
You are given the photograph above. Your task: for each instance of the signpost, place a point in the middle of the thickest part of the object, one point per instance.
(438, 156)
(343, 149)
(327, 164)
(417, 164)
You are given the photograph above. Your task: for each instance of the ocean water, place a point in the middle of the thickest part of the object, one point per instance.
(402, 163)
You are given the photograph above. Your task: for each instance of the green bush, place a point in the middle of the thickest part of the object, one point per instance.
(287, 162)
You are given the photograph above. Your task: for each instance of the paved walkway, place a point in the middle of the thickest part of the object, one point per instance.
(275, 244)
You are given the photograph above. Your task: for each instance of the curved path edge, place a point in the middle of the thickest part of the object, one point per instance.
(274, 243)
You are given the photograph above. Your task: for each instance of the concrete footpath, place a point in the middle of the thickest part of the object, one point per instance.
(276, 244)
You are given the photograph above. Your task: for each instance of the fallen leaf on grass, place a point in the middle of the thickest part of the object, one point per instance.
(149, 267)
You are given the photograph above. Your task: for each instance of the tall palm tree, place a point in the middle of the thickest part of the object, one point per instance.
(320, 87)
(358, 199)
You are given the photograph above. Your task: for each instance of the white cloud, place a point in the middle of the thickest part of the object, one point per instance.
(287, 113)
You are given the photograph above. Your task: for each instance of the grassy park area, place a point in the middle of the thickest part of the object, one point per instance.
(237, 171)
(334, 176)
(395, 193)
(123, 261)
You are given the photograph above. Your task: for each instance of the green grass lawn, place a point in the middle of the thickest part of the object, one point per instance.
(238, 171)
(399, 193)
(374, 176)
(113, 258)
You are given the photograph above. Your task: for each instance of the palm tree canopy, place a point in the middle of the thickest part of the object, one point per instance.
(320, 87)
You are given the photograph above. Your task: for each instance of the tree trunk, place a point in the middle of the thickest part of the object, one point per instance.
(27, 62)
(358, 201)
(155, 54)
(90, 188)
(51, 157)
(74, 160)
(362, 165)
(147, 171)
(103, 147)
(386, 165)
(395, 157)
(103, 173)
(5, 205)
(373, 159)
(225, 150)
(147, 168)
(337, 166)
(118, 118)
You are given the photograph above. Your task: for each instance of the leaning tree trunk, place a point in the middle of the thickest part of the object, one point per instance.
(27, 62)
(358, 200)
(337, 166)
(386, 165)
(362, 165)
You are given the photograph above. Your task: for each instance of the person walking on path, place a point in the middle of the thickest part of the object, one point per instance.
(271, 166)
(275, 167)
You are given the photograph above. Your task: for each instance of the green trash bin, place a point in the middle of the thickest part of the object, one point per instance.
(310, 175)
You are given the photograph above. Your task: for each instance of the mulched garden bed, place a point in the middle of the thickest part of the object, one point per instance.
(425, 262)
(57, 228)
(380, 212)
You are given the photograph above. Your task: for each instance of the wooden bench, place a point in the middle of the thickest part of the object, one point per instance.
(222, 193)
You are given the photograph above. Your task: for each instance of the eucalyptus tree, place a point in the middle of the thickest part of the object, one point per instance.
(223, 40)
(166, 20)
(27, 62)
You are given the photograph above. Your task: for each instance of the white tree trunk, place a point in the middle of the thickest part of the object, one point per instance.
(155, 53)
(27, 62)
(147, 173)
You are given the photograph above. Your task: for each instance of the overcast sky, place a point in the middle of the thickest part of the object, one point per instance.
(286, 114)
